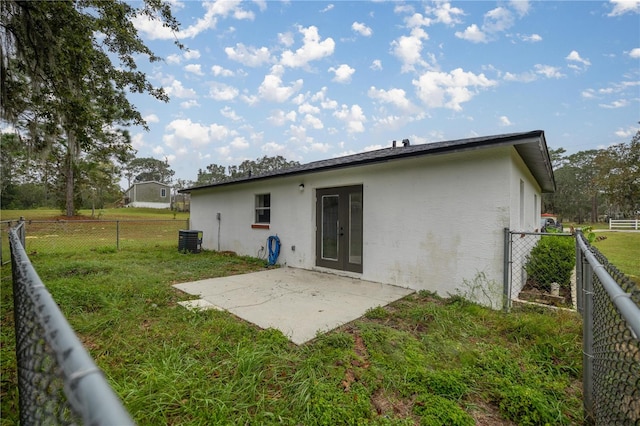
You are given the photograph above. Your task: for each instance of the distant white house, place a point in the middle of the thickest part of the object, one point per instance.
(427, 217)
(150, 194)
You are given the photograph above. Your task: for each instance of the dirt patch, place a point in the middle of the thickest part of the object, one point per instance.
(487, 415)
(532, 293)
(385, 403)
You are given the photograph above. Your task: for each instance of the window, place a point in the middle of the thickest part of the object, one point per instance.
(163, 192)
(263, 208)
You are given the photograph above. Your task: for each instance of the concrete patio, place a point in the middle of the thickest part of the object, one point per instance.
(299, 303)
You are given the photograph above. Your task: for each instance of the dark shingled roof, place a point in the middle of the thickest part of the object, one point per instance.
(531, 146)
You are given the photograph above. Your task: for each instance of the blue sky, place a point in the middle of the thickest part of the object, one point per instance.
(311, 80)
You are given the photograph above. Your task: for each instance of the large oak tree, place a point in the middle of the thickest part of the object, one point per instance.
(66, 70)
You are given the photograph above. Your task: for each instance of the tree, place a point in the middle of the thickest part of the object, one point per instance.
(213, 174)
(216, 173)
(58, 78)
(261, 166)
(148, 169)
(619, 175)
(576, 196)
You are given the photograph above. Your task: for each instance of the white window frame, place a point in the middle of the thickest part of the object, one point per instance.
(261, 208)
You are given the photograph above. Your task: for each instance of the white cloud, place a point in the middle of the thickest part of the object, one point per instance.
(272, 89)
(362, 29)
(189, 104)
(151, 118)
(312, 49)
(219, 71)
(173, 59)
(137, 141)
(272, 149)
(240, 142)
(450, 90)
(525, 77)
(329, 7)
(576, 62)
(396, 97)
(521, 6)
(473, 34)
(320, 147)
(498, 20)
(192, 54)
(229, 113)
(409, 49)
(312, 121)
(445, 14)
(280, 118)
(626, 133)
(196, 134)
(504, 121)
(222, 92)
(194, 69)
(325, 102)
(249, 56)
(621, 103)
(353, 118)
(376, 65)
(179, 91)
(417, 20)
(620, 7)
(548, 71)
(533, 38)
(307, 108)
(286, 39)
(588, 94)
(342, 74)
(153, 29)
(635, 53)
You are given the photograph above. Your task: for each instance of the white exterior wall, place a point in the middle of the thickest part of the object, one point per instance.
(526, 219)
(148, 204)
(430, 223)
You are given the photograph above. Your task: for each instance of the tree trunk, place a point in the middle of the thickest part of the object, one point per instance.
(72, 152)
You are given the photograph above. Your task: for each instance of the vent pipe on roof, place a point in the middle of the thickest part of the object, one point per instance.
(405, 142)
(393, 145)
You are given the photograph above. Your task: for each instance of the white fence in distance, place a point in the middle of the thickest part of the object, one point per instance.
(624, 224)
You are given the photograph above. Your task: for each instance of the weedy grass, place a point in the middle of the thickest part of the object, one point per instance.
(422, 360)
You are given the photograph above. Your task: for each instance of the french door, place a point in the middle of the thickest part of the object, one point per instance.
(339, 228)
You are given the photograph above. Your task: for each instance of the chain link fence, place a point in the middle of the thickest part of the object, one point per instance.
(610, 306)
(540, 268)
(58, 382)
(55, 236)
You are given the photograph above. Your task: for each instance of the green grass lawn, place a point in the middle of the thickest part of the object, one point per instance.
(104, 214)
(621, 249)
(422, 360)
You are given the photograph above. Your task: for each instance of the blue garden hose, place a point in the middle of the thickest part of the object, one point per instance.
(273, 251)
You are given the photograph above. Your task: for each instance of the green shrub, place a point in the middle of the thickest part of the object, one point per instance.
(551, 260)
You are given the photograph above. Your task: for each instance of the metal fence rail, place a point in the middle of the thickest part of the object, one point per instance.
(610, 306)
(58, 382)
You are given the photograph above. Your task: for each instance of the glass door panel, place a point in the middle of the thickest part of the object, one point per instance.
(355, 228)
(330, 227)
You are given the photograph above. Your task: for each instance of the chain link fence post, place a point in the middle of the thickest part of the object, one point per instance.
(586, 291)
(507, 270)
